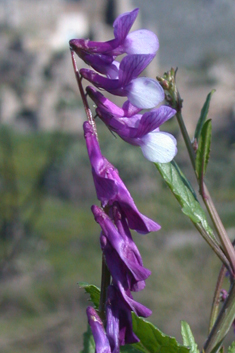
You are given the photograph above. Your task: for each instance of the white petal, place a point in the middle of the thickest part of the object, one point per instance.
(145, 93)
(159, 147)
(141, 42)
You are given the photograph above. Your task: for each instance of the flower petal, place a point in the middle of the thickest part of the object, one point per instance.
(132, 65)
(158, 147)
(141, 42)
(153, 119)
(123, 24)
(145, 93)
(101, 341)
(100, 81)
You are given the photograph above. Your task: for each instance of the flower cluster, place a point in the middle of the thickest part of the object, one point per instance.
(118, 212)
(121, 78)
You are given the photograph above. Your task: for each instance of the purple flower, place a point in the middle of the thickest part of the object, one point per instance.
(138, 130)
(119, 319)
(142, 92)
(101, 341)
(100, 100)
(122, 256)
(110, 188)
(100, 55)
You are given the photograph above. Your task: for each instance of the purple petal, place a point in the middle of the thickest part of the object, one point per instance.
(119, 320)
(145, 93)
(141, 42)
(101, 341)
(158, 147)
(123, 245)
(153, 119)
(110, 188)
(123, 24)
(100, 81)
(88, 46)
(132, 65)
(129, 109)
(101, 101)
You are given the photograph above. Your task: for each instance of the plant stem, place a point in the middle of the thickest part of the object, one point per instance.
(216, 299)
(222, 324)
(105, 282)
(223, 237)
(213, 244)
(227, 313)
(84, 100)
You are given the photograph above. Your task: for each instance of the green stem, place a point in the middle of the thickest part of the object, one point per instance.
(227, 313)
(216, 299)
(84, 100)
(222, 324)
(213, 244)
(222, 234)
(105, 282)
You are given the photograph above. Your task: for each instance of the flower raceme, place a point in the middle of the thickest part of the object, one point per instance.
(138, 130)
(118, 212)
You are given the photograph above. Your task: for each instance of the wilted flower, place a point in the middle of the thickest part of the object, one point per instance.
(110, 188)
(122, 256)
(119, 320)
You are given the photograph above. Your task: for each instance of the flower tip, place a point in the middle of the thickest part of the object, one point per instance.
(75, 44)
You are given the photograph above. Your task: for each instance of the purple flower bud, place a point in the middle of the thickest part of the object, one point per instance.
(110, 188)
(100, 55)
(101, 341)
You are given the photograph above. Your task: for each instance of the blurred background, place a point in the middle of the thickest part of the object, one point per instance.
(48, 238)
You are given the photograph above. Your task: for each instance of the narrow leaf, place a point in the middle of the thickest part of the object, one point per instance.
(188, 339)
(203, 152)
(152, 340)
(184, 179)
(203, 116)
(190, 206)
(88, 342)
(93, 291)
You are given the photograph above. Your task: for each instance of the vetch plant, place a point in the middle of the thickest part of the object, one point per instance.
(116, 319)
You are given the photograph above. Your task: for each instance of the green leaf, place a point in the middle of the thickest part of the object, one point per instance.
(93, 291)
(184, 179)
(231, 349)
(152, 340)
(188, 339)
(203, 152)
(88, 342)
(190, 206)
(203, 116)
